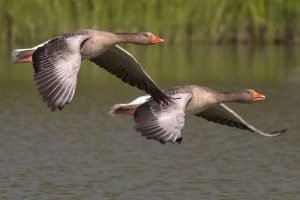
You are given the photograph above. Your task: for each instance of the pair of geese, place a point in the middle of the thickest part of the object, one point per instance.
(159, 115)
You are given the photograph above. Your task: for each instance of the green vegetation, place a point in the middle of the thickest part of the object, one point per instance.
(27, 22)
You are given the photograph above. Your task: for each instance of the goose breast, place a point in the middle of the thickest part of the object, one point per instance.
(201, 100)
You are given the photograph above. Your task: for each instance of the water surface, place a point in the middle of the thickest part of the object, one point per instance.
(84, 153)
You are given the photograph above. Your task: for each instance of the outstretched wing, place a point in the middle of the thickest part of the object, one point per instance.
(123, 65)
(56, 65)
(222, 114)
(162, 122)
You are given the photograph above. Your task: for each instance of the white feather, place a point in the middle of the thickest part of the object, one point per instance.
(16, 52)
(133, 104)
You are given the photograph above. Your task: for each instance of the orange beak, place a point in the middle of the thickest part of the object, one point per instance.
(155, 40)
(257, 97)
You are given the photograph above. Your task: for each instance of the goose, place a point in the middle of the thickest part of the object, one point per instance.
(163, 122)
(56, 62)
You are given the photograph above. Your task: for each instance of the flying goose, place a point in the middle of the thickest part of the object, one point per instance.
(163, 122)
(56, 62)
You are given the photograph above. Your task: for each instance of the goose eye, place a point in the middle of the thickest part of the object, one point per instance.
(146, 35)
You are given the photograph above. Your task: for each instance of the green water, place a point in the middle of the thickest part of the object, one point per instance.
(84, 153)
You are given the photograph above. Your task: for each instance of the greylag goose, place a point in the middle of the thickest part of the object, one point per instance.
(163, 122)
(57, 61)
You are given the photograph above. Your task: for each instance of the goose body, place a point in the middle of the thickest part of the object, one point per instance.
(57, 62)
(163, 122)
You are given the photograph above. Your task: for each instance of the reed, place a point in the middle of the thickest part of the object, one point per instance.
(27, 22)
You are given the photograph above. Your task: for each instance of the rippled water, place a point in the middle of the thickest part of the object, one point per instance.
(84, 153)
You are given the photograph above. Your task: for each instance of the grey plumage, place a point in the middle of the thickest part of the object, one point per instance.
(164, 122)
(57, 62)
(56, 65)
(124, 66)
(224, 115)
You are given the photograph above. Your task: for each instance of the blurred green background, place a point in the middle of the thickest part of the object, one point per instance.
(191, 29)
(83, 153)
(26, 22)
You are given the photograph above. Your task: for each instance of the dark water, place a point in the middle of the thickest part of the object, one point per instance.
(84, 153)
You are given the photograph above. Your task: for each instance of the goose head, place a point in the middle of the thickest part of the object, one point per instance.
(147, 38)
(251, 96)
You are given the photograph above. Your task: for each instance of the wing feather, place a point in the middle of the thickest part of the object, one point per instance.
(56, 65)
(162, 122)
(222, 114)
(123, 65)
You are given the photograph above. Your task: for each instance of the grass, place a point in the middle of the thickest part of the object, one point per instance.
(28, 22)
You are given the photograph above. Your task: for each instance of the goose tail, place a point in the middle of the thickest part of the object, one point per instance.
(122, 109)
(24, 55)
(128, 108)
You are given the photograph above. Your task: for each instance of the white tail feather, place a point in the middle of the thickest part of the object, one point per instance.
(113, 109)
(18, 54)
(134, 104)
(14, 54)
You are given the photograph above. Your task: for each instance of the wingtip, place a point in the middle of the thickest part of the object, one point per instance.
(281, 132)
(163, 142)
(278, 133)
(163, 97)
(167, 100)
(179, 140)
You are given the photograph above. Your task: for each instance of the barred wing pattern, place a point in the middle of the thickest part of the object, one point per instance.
(56, 65)
(162, 122)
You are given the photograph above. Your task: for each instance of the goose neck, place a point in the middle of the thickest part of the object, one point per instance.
(126, 38)
(224, 97)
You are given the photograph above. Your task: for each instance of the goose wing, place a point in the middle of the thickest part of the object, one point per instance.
(162, 122)
(123, 65)
(56, 65)
(222, 114)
